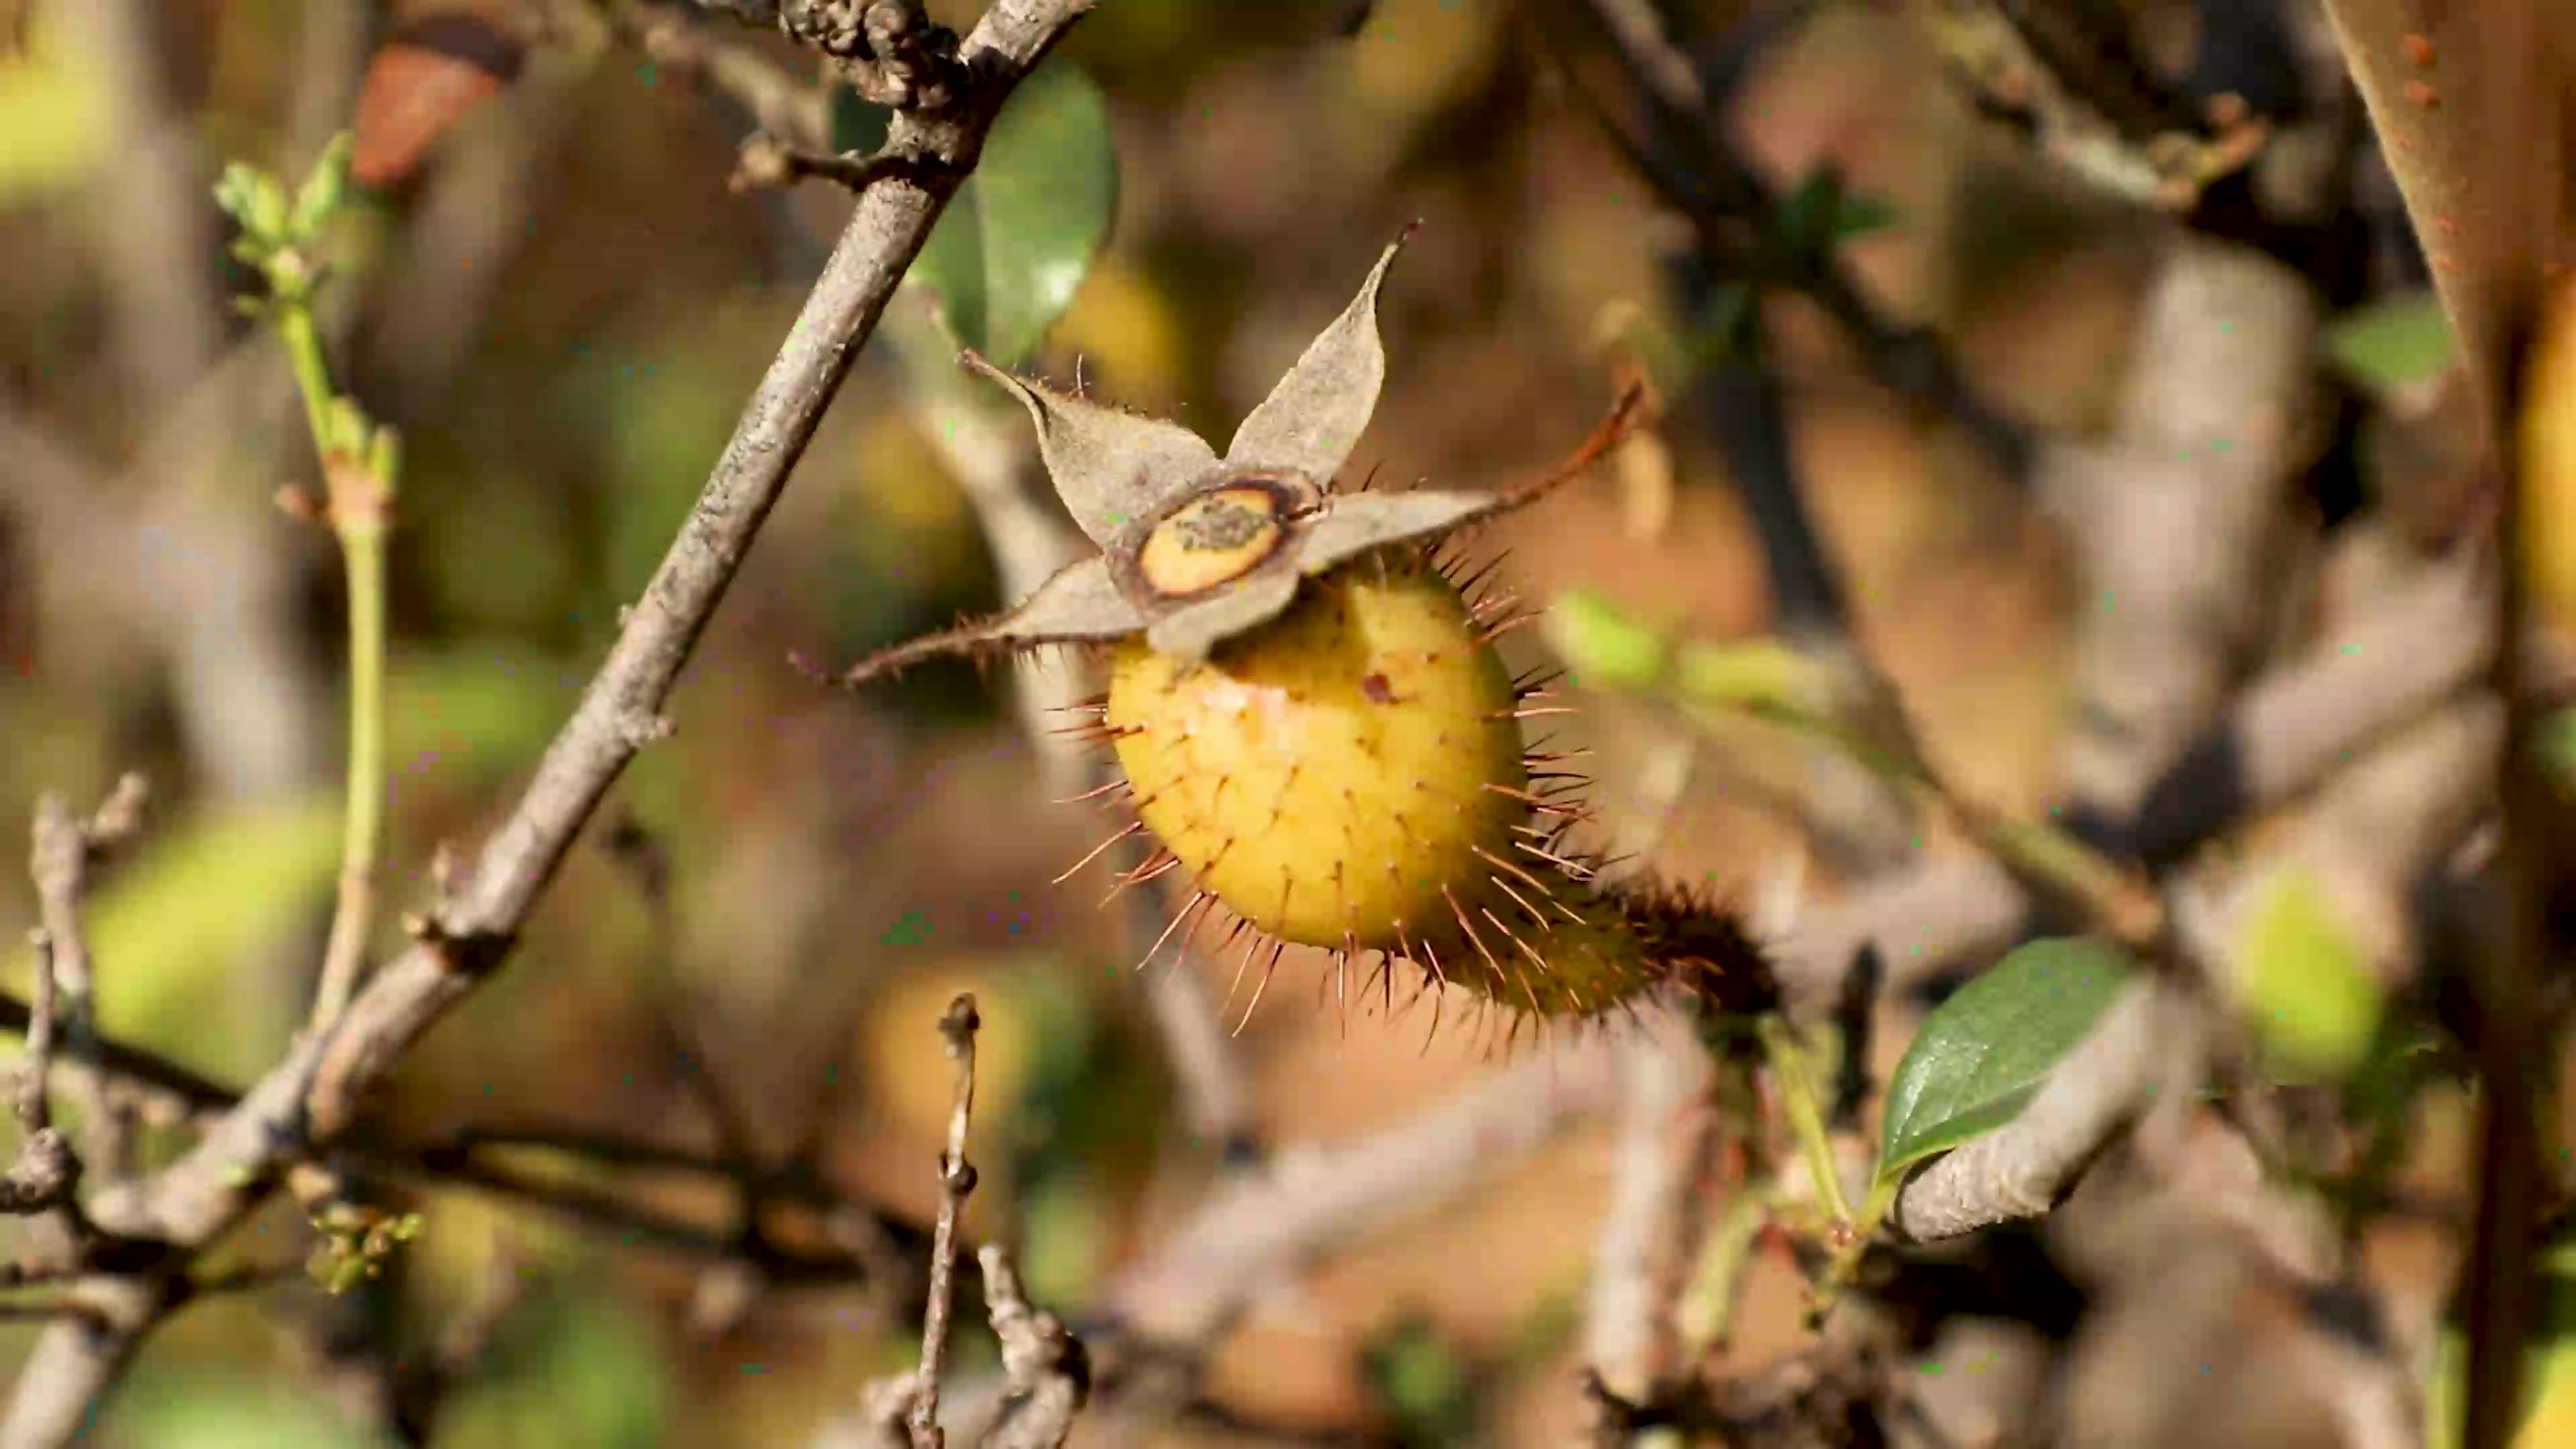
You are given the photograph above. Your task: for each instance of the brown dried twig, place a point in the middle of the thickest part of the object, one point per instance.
(956, 1180)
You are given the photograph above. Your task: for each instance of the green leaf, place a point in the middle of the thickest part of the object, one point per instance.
(174, 927)
(2400, 341)
(1864, 212)
(1984, 1053)
(1423, 1382)
(1822, 212)
(1015, 243)
(2307, 987)
(1604, 646)
(324, 188)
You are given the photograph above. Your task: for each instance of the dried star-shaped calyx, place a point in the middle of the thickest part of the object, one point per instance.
(1196, 549)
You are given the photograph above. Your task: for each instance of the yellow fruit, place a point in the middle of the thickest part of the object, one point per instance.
(2548, 428)
(1328, 775)
(1350, 776)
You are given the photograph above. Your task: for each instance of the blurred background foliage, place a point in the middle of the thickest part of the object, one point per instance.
(563, 312)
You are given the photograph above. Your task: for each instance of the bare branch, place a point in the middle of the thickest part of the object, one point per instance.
(63, 849)
(46, 1171)
(2288, 730)
(1664, 1132)
(956, 1180)
(317, 1092)
(1048, 1370)
(2173, 513)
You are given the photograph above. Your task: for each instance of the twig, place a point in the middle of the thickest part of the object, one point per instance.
(956, 1180)
(780, 103)
(768, 163)
(2174, 512)
(1664, 1079)
(1048, 1370)
(1727, 192)
(59, 858)
(2290, 729)
(45, 1172)
(1267, 1225)
(315, 1094)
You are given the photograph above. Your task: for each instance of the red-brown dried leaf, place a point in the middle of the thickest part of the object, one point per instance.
(424, 79)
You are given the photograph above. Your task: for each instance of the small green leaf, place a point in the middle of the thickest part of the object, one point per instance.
(2398, 342)
(1803, 222)
(1864, 212)
(253, 198)
(323, 189)
(1604, 646)
(1984, 1053)
(1015, 243)
(2307, 987)
(1424, 1383)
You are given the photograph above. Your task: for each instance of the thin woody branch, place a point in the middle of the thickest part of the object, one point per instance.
(319, 1090)
(956, 1180)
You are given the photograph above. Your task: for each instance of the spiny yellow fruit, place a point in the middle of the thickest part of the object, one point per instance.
(1351, 776)
(1313, 720)
(1330, 775)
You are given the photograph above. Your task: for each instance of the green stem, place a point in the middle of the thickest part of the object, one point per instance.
(1806, 1117)
(295, 328)
(360, 487)
(362, 554)
(1717, 1283)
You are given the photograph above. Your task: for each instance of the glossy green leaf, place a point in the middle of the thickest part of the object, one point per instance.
(1017, 241)
(2307, 988)
(1021, 232)
(1985, 1052)
(2400, 341)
